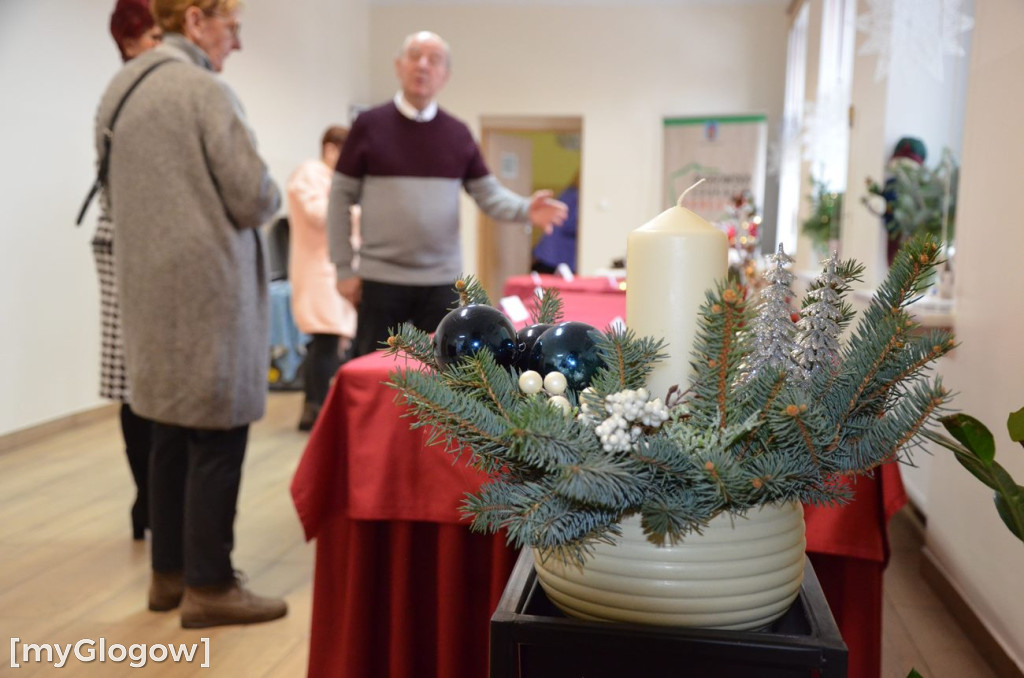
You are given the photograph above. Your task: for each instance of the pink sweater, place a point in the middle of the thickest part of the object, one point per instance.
(316, 304)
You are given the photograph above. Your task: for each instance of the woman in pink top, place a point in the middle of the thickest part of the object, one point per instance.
(318, 309)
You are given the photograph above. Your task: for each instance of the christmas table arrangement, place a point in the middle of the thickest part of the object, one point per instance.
(675, 497)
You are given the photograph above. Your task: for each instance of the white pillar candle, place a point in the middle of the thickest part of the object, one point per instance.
(670, 262)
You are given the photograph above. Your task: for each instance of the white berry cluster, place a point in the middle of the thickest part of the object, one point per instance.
(628, 412)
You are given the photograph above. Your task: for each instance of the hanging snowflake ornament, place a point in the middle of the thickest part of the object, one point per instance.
(918, 32)
(825, 137)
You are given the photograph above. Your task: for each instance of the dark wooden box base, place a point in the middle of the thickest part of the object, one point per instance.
(531, 638)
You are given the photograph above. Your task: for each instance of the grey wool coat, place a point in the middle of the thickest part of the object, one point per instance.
(187, 191)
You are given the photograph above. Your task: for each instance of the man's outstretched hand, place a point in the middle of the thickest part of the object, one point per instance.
(545, 211)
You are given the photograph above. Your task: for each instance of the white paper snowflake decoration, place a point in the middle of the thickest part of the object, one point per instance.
(825, 137)
(917, 32)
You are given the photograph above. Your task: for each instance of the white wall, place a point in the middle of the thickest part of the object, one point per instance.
(622, 69)
(987, 370)
(301, 65)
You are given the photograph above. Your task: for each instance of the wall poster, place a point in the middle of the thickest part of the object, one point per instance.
(728, 151)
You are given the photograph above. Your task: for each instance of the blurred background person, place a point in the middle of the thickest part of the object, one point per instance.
(133, 28)
(404, 163)
(558, 245)
(319, 311)
(187, 191)
(134, 32)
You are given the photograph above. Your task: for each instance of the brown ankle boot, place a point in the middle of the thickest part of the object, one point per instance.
(227, 604)
(165, 591)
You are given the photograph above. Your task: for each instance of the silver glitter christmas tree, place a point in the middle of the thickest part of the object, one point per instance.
(817, 337)
(774, 328)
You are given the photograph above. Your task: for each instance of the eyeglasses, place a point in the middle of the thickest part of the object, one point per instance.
(233, 25)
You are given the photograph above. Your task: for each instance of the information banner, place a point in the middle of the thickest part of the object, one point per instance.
(728, 152)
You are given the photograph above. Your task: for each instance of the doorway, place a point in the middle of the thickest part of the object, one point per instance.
(526, 154)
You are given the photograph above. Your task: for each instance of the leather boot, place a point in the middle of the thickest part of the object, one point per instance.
(227, 604)
(165, 591)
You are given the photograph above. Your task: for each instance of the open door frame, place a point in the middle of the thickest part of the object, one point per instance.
(486, 241)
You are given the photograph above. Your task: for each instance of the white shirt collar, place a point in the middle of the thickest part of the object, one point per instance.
(413, 113)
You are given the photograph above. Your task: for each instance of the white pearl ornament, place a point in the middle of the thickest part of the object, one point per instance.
(555, 383)
(530, 382)
(561, 402)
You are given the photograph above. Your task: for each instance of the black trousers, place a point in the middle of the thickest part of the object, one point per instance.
(322, 361)
(136, 431)
(193, 492)
(385, 306)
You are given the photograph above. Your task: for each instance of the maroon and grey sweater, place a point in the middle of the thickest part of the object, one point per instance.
(406, 176)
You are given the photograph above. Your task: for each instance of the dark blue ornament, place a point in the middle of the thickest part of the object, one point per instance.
(527, 337)
(468, 329)
(569, 348)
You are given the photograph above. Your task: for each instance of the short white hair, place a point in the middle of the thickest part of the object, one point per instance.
(420, 36)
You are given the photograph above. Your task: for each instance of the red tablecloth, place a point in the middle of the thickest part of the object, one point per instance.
(402, 589)
(524, 285)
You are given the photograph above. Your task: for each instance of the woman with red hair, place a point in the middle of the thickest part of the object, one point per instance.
(133, 28)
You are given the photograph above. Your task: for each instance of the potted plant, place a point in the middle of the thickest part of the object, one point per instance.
(776, 412)
(822, 226)
(975, 449)
(915, 199)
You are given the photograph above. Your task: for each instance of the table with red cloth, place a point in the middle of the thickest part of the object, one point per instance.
(402, 588)
(523, 286)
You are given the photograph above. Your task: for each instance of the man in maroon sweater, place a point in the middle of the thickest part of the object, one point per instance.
(404, 163)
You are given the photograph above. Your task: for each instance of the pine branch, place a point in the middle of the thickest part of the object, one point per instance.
(471, 291)
(462, 422)
(480, 374)
(540, 436)
(719, 351)
(909, 276)
(616, 482)
(919, 354)
(547, 308)
(535, 516)
(409, 341)
(627, 361)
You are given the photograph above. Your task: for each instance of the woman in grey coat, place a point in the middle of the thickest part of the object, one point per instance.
(187, 192)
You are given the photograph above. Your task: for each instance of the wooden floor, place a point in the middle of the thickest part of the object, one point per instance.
(69, 569)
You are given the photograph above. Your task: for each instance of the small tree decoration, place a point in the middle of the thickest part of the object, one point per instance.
(824, 317)
(814, 411)
(774, 340)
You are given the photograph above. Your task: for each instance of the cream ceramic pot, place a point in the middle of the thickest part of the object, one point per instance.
(742, 572)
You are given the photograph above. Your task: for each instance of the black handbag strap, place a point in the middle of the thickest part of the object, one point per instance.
(108, 136)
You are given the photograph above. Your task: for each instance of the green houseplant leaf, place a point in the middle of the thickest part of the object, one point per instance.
(1010, 506)
(1015, 424)
(974, 448)
(973, 435)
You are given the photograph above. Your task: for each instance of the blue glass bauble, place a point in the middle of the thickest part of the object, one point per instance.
(569, 348)
(469, 329)
(527, 337)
